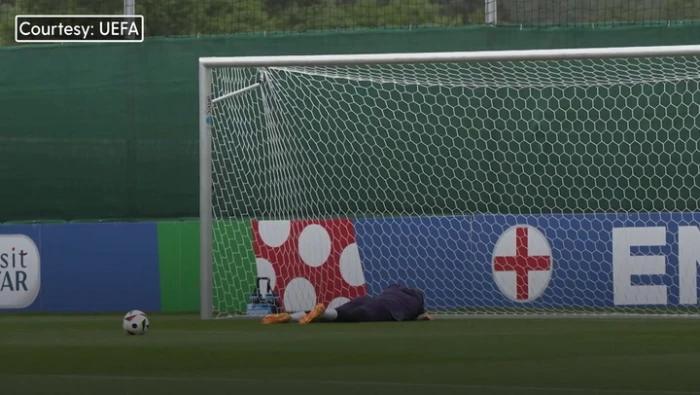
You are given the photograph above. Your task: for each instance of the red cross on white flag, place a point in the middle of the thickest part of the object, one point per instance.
(522, 263)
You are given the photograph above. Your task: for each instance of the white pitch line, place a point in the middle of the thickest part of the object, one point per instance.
(354, 383)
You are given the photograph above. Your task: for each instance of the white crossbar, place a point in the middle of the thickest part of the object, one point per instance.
(450, 57)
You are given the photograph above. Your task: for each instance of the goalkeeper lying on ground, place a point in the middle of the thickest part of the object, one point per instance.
(396, 303)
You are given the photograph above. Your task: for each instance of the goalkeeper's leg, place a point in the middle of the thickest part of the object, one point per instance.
(363, 309)
(357, 310)
(302, 317)
(367, 312)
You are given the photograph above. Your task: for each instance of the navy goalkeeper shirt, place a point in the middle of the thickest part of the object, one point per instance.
(396, 303)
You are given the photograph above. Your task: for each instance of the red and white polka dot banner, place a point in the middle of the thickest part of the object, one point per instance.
(309, 262)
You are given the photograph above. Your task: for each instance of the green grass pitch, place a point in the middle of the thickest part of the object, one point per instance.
(80, 354)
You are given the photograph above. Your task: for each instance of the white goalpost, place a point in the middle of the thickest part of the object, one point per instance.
(499, 182)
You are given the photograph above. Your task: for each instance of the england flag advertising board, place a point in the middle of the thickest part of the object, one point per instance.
(547, 261)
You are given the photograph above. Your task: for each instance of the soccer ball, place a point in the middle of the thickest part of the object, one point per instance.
(135, 322)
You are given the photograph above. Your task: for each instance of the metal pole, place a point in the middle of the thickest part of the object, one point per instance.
(236, 93)
(129, 7)
(491, 12)
(205, 192)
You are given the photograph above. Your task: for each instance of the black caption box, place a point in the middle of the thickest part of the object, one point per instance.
(78, 28)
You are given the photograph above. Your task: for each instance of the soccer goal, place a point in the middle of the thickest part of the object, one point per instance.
(540, 181)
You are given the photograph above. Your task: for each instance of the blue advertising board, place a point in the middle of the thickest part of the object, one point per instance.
(92, 267)
(575, 260)
(477, 261)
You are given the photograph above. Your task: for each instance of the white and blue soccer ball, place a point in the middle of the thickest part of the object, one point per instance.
(135, 322)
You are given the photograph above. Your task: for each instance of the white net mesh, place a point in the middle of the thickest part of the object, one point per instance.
(533, 186)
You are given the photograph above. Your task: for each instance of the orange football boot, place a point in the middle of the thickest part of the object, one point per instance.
(280, 318)
(316, 312)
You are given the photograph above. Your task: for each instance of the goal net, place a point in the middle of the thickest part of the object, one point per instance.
(497, 182)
